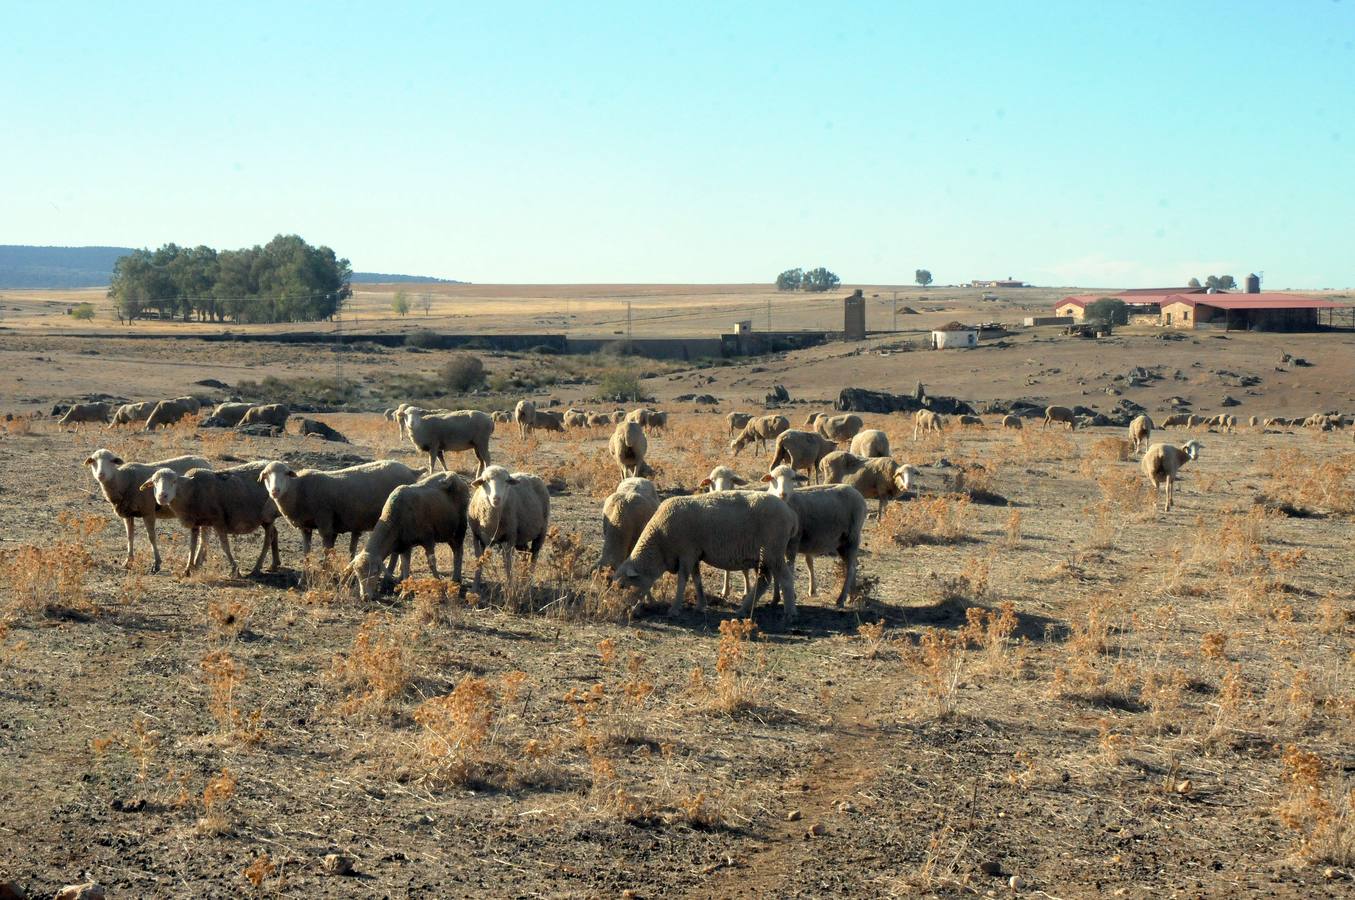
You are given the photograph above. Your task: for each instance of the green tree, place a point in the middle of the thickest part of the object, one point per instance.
(1108, 309)
(790, 280)
(1220, 282)
(1194, 282)
(400, 303)
(83, 311)
(922, 277)
(820, 280)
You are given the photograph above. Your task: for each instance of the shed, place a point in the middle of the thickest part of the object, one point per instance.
(1245, 312)
(954, 335)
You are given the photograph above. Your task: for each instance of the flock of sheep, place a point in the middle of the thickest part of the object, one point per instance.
(756, 530)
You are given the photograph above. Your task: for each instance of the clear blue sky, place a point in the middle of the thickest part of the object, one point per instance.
(1091, 143)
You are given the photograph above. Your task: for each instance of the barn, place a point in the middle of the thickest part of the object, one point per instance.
(1144, 303)
(953, 335)
(1245, 312)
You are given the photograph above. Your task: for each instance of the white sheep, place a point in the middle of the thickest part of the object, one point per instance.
(121, 484)
(881, 480)
(1059, 414)
(730, 530)
(274, 414)
(801, 450)
(838, 465)
(970, 421)
(925, 420)
(79, 413)
(1139, 430)
(1012, 422)
(512, 511)
(436, 433)
(870, 443)
(575, 418)
(723, 478)
(628, 446)
(343, 501)
(831, 518)
(131, 413)
(1162, 462)
(625, 513)
(231, 501)
(758, 432)
(168, 412)
(231, 412)
(523, 414)
(736, 421)
(839, 429)
(432, 511)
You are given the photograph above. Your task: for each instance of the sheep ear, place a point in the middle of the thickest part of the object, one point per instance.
(766, 479)
(146, 485)
(89, 460)
(512, 481)
(739, 479)
(479, 482)
(705, 482)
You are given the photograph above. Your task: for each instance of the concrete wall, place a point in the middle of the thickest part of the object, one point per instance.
(1032, 321)
(950, 340)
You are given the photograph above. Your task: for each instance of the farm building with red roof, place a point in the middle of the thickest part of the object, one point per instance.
(1197, 308)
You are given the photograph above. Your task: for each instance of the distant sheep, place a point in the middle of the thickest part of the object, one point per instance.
(1059, 414)
(169, 412)
(599, 420)
(802, 450)
(523, 414)
(575, 418)
(969, 421)
(231, 501)
(925, 420)
(274, 414)
(1176, 420)
(870, 443)
(436, 433)
(343, 501)
(831, 518)
(628, 447)
(79, 413)
(512, 511)
(881, 480)
(121, 484)
(838, 465)
(758, 432)
(1139, 430)
(736, 420)
(1012, 422)
(839, 429)
(1162, 462)
(131, 413)
(625, 513)
(230, 413)
(432, 511)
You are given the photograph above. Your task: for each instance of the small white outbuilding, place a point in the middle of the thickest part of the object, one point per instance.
(953, 335)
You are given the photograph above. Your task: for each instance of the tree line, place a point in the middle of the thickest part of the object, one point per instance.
(286, 280)
(1219, 282)
(815, 280)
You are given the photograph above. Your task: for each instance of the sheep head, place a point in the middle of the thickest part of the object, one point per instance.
(782, 480)
(102, 464)
(278, 478)
(494, 482)
(165, 485)
(1192, 449)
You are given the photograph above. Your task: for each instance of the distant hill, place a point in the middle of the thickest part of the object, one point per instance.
(64, 268)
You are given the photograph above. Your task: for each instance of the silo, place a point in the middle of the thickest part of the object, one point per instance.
(1253, 283)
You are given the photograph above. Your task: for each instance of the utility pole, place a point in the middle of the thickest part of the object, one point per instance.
(896, 310)
(769, 314)
(630, 330)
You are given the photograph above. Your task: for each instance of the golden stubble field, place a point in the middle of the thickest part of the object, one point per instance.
(1076, 691)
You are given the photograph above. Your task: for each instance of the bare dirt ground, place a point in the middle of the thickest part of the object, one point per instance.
(1075, 689)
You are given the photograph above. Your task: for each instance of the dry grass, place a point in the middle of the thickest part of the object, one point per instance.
(940, 519)
(377, 669)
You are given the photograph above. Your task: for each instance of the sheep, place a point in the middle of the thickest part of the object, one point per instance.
(121, 484)
(1059, 414)
(812, 419)
(230, 413)
(758, 432)
(1176, 420)
(129, 413)
(168, 412)
(599, 420)
(431, 511)
(730, 530)
(546, 420)
(801, 450)
(736, 421)
(85, 412)
(1012, 422)
(723, 478)
(231, 501)
(970, 421)
(523, 413)
(511, 510)
(1163, 461)
(575, 418)
(837, 465)
(274, 414)
(618, 416)
(342, 501)
(434, 434)
(881, 480)
(501, 416)
(839, 429)
(1193, 421)
(1252, 421)
(1139, 430)
(625, 513)
(925, 420)
(870, 443)
(628, 446)
(658, 421)
(831, 518)
(640, 415)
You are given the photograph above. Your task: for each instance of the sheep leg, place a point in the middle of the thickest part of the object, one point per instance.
(404, 564)
(752, 594)
(327, 538)
(1170, 482)
(680, 595)
(430, 552)
(785, 579)
(699, 586)
(353, 544)
(155, 545)
(273, 543)
(202, 547)
(130, 525)
(848, 577)
(457, 550)
(479, 583)
(507, 569)
(813, 585)
(230, 557)
(305, 542)
(192, 550)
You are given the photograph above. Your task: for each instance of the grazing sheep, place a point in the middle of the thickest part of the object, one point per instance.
(1196, 421)
(575, 418)
(802, 450)
(129, 413)
(511, 511)
(121, 484)
(599, 420)
(839, 429)
(168, 412)
(625, 513)
(547, 420)
(870, 443)
(1139, 430)
(1252, 421)
(231, 501)
(1163, 461)
(501, 416)
(1059, 414)
(881, 480)
(730, 530)
(618, 416)
(838, 465)
(831, 518)
(925, 420)
(436, 433)
(1176, 420)
(344, 501)
(640, 415)
(84, 412)
(970, 421)
(723, 478)
(736, 421)
(758, 432)
(274, 414)
(628, 447)
(523, 414)
(812, 419)
(429, 512)
(230, 413)
(1012, 422)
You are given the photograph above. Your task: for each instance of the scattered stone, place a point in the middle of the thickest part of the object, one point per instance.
(706, 400)
(793, 816)
(1229, 401)
(87, 891)
(131, 806)
(862, 400)
(1185, 787)
(260, 429)
(215, 422)
(816, 830)
(213, 383)
(991, 867)
(337, 864)
(320, 429)
(777, 395)
(846, 807)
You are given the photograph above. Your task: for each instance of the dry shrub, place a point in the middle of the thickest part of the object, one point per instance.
(1231, 711)
(1106, 450)
(991, 632)
(229, 616)
(324, 579)
(734, 688)
(939, 658)
(259, 871)
(52, 575)
(941, 519)
(224, 676)
(376, 671)
(459, 743)
(1324, 481)
(1046, 444)
(432, 600)
(1319, 804)
(1013, 529)
(216, 804)
(873, 634)
(19, 425)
